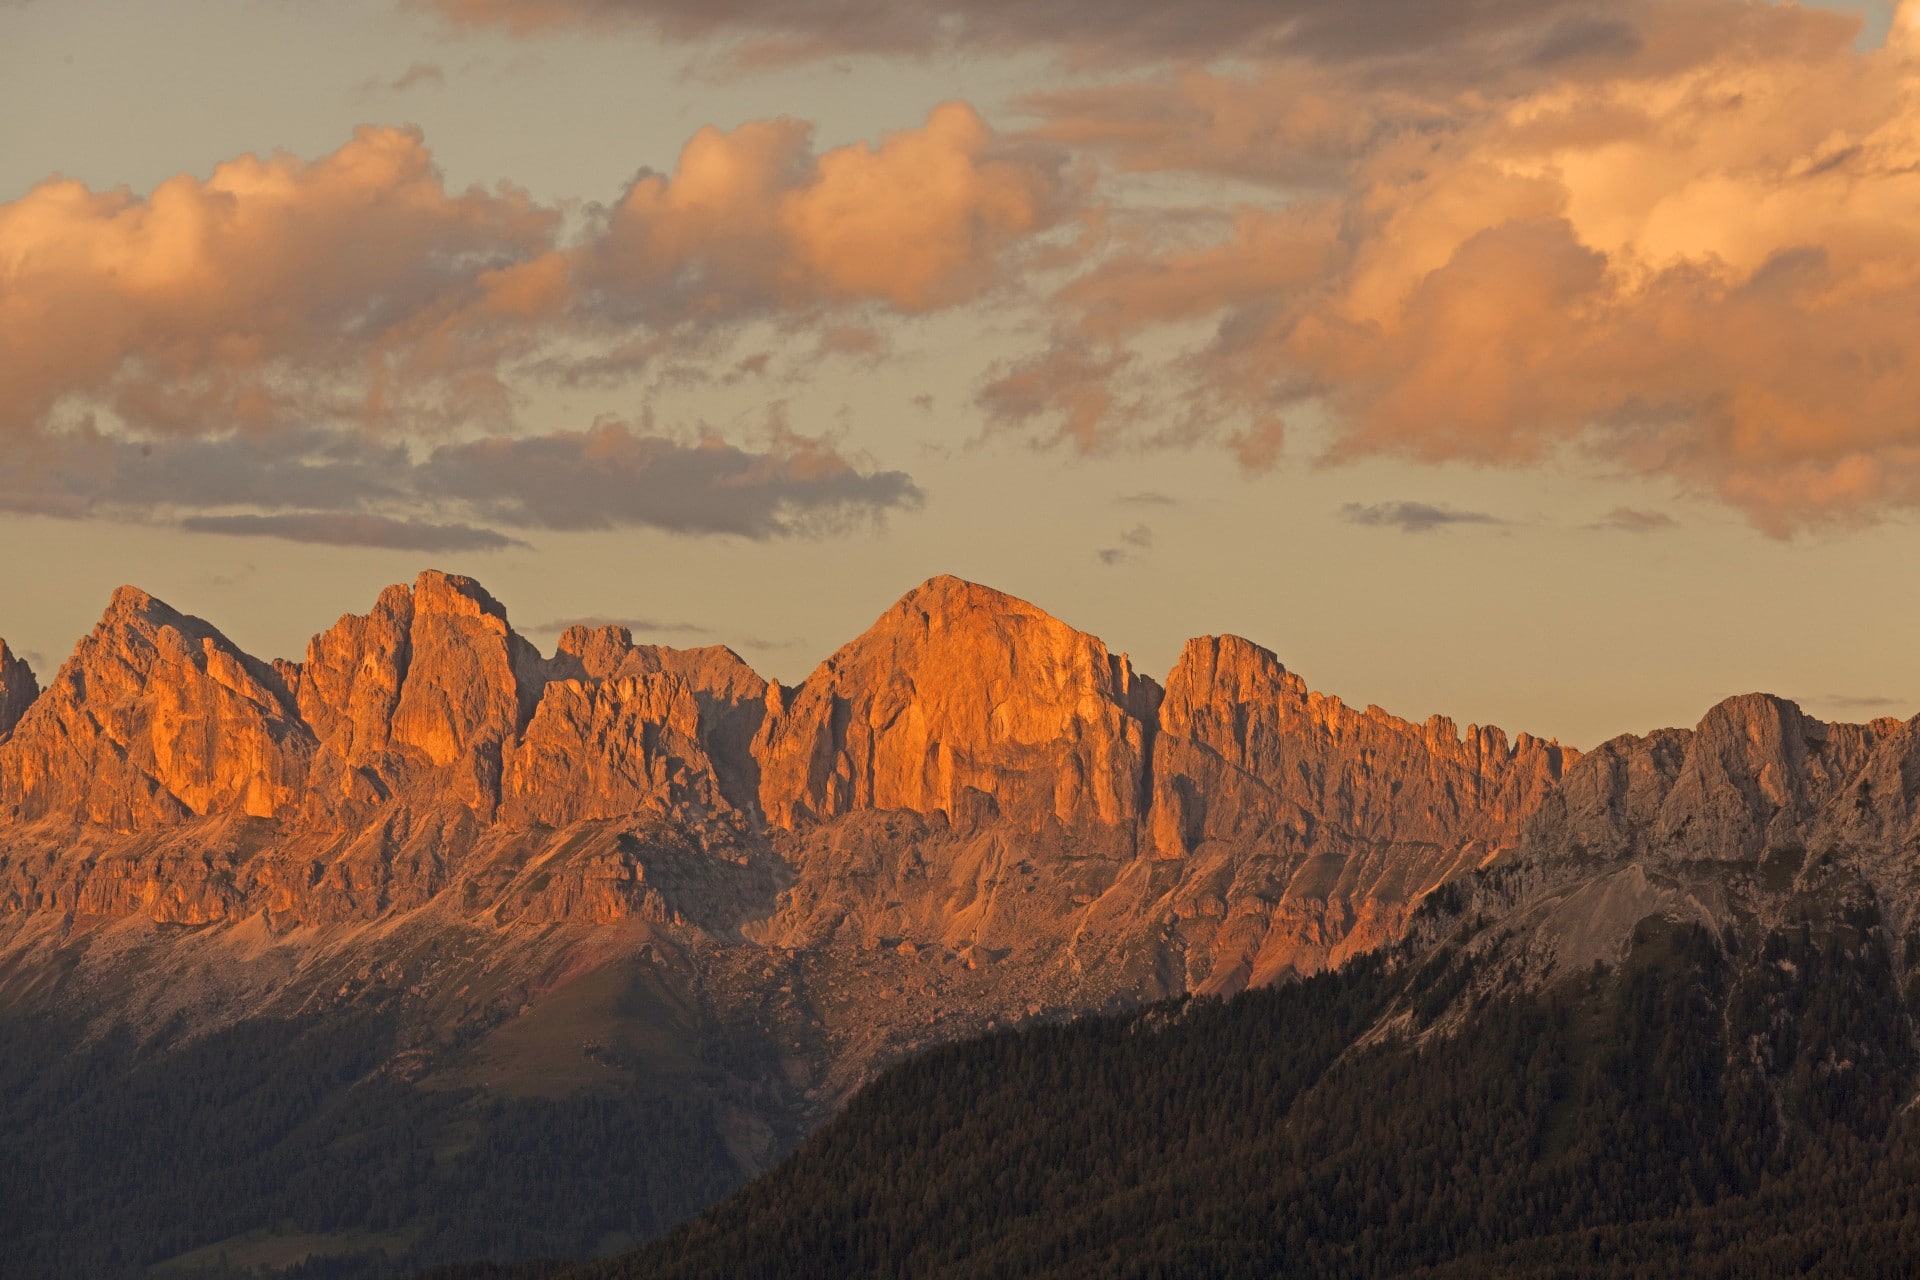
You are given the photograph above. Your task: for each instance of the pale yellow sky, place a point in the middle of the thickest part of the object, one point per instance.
(1544, 611)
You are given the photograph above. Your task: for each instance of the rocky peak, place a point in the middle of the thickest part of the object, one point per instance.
(1755, 774)
(963, 700)
(1246, 750)
(18, 688)
(592, 653)
(157, 716)
(425, 692)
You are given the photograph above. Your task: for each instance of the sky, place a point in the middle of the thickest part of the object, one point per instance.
(1536, 363)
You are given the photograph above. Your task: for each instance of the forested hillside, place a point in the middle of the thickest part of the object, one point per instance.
(1701, 1108)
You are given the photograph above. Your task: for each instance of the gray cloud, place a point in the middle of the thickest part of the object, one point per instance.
(343, 489)
(1140, 536)
(1633, 520)
(1441, 36)
(417, 75)
(1110, 555)
(347, 530)
(612, 476)
(639, 626)
(1861, 702)
(1147, 498)
(1411, 517)
(420, 73)
(655, 627)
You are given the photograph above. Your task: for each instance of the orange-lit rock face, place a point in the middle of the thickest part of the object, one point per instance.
(1246, 750)
(155, 719)
(971, 781)
(426, 693)
(600, 750)
(18, 689)
(959, 700)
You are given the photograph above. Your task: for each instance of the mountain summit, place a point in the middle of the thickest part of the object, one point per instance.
(636, 871)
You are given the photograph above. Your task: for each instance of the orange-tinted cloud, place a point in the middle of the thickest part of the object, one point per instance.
(358, 287)
(273, 292)
(1698, 258)
(753, 219)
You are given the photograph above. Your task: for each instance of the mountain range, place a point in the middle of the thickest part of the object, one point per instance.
(506, 892)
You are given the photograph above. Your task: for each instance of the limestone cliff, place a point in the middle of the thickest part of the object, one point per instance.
(1315, 828)
(971, 811)
(18, 689)
(157, 718)
(969, 703)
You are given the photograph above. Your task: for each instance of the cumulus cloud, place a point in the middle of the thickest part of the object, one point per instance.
(1411, 517)
(753, 219)
(333, 350)
(1691, 254)
(281, 292)
(273, 293)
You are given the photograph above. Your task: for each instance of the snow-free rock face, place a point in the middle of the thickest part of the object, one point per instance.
(157, 718)
(972, 804)
(965, 702)
(1756, 774)
(1247, 751)
(424, 696)
(18, 689)
(1311, 830)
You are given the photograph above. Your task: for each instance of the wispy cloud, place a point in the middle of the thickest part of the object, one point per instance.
(1633, 520)
(1412, 517)
(639, 626)
(344, 530)
(418, 75)
(644, 627)
(1134, 542)
(1862, 702)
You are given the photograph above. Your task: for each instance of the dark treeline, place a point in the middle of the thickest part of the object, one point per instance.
(115, 1156)
(1696, 1110)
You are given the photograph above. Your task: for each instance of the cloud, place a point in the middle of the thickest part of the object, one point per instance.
(416, 76)
(1133, 543)
(272, 294)
(1867, 701)
(1411, 517)
(754, 220)
(613, 476)
(1688, 255)
(333, 350)
(346, 530)
(655, 627)
(280, 293)
(1632, 520)
(757, 32)
(420, 73)
(345, 489)
(1148, 498)
(642, 626)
